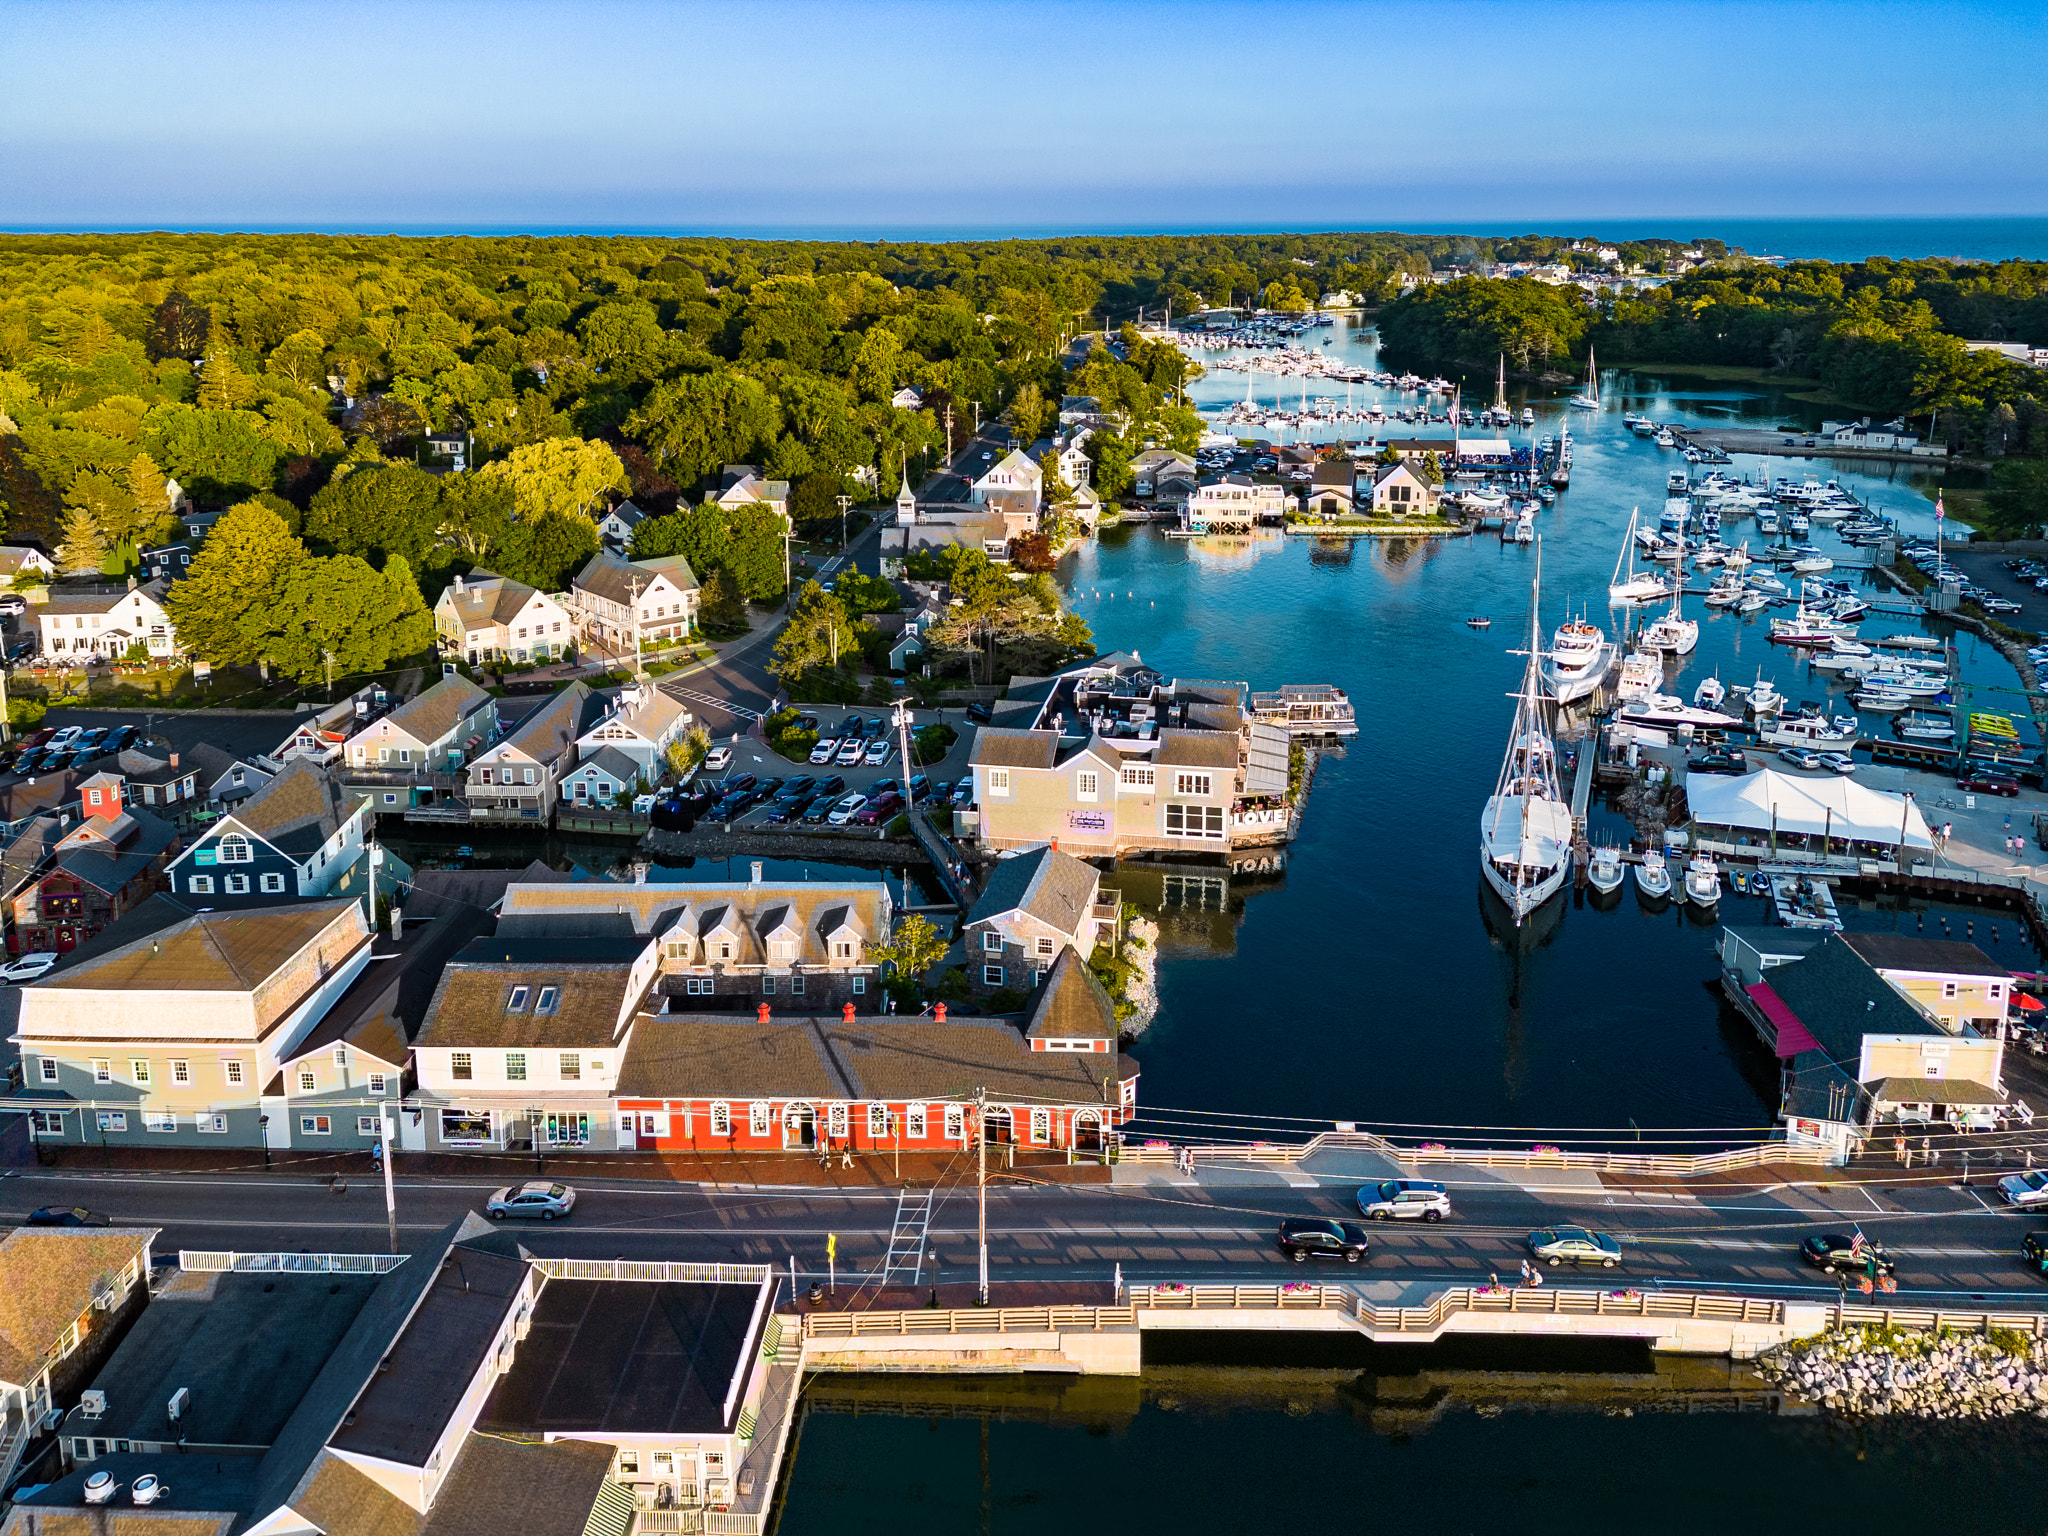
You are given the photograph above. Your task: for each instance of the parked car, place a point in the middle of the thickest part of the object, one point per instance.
(718, 759)
(802, 784)
(1718, 762)
(807, 722)
(1998, 605)
(13, 604)
(731, 806)
(820, 810)
(1799, 757)
(123, 735)
(979, 712)
(1988, 781)
(846, 810)
(28, 967)
(67, 1216)
(853, 725)
(831, 784)
(1838, 762)
(2024, 1191)
(1302, 1239)
(1574, 1245)
(790, 808)
(920, 789)
(22, 649)
(67, 735)
(40, 738)
(538, 1200)
(767, 789)
(1404, 1200)
(1838, 1252)
(877, 810)
(849, 753)
(824, 750)
(963, 792)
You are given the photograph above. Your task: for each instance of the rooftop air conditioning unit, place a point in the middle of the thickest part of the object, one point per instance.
(100, 1487)
(180, 1399)
(93, 1402)
(147, 1489)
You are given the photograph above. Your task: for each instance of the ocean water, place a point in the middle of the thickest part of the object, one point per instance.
(1988, 239)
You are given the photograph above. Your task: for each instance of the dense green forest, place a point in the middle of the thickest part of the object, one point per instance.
(300, 373)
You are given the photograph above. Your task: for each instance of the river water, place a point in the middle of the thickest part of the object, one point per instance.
(1364, 982)
(1541, 1448)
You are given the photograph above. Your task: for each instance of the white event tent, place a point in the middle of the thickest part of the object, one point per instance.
(1814, 807)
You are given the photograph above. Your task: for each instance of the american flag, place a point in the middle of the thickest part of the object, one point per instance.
(1938, 514)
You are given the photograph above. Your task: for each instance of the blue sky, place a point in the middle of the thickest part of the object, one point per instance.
(373, 113)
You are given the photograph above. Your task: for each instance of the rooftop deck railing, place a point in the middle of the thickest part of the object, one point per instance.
(205, 1261)
(653, 1271)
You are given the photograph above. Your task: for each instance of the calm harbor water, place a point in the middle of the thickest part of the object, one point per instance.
(1538, 1451)
(1364, 982)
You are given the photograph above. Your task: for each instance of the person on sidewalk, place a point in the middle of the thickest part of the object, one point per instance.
(1525, 1272)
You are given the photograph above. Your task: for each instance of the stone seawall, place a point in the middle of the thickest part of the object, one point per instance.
(1871, 1372)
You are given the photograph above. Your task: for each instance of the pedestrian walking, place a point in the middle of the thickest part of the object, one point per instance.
(1525, 1271)
(1535, 1278)
(1899, 1149)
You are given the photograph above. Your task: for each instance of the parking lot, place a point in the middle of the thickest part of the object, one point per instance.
(752, 756)
(1987, 569)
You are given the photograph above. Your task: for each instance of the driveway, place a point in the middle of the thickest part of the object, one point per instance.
(1987, 569)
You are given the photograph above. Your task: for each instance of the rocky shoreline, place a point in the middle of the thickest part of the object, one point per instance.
(1873, 1372)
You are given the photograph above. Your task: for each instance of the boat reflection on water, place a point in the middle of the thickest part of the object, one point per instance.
(1521, 940)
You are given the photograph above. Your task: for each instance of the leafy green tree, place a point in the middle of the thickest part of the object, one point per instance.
(563, 476)
(84, 549)
(817, 638)
(179, 327)
(547, 551)
(221, 385)
(105, 495)
(877, 364)
(720, 604)
(478, 520)
(697, 423)
(1029, 413)
(245, 556)
(861, 595)
(147, 489)
(688, 750)
(2017, 502)
(215, 455)
(378, 509)
(913, 947)
(1111, 455)
(755, 550)
(336, 615)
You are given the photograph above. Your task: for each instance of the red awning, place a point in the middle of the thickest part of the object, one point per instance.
(1792, 1035)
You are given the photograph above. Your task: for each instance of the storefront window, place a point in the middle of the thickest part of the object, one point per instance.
(467, 1128)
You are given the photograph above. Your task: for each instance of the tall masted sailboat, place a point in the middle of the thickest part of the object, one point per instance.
(1525, 832)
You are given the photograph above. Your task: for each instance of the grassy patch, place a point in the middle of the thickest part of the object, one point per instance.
(1727, 373)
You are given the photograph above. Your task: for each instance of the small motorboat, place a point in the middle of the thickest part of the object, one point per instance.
(1476, 622)
(1702, 880)
(1653, 876)
(1605, 871)
(1710, 693)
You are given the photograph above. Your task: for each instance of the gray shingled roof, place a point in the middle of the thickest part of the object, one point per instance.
(1054, 887)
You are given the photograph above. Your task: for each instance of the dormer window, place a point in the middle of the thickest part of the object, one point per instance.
(517, 1004)
(782, 949)
(725, 951)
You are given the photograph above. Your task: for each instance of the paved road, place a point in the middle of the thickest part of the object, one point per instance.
(1952, 1248)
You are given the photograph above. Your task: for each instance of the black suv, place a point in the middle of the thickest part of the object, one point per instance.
(1843, 1253)
(1302, 1240)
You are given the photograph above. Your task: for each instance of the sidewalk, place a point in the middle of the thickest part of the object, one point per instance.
(753, 1170)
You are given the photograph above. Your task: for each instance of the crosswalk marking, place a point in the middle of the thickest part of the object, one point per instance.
(690, 695)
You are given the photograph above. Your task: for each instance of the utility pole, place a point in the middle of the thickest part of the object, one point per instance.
(639, 665)
(981, 1183)
(903, 737)
(949, 431)
(788, 537)
(845, 501)
(390, 1199)
(327, 665)
(6, 724)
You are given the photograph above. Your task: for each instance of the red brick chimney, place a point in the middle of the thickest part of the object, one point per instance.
(939, 1012)
(761, 1014)
(846, 1013)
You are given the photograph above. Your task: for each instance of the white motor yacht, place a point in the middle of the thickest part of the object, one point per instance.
(1605, 871)
(1642, 673)
(1820, 735)
(1767, 584)
(1924, 727)
(1764, 698)
(1702, 880)
(1525, 831)
(1579, 659)
(1653, 876)
(1810, 565)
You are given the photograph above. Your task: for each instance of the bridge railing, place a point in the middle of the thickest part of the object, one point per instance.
(1931, 1320)
(1504, 1300)
(967, 1320)
(1686, 1165)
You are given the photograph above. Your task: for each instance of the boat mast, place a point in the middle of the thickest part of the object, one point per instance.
(1527, 724)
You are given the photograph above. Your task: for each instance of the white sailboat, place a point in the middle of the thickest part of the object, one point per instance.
(1525, 832)
(1632, 587)
(1589, 398)
(1673, 632)
(1579, 659)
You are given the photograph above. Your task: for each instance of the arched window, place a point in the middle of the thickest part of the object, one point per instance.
(235, 849)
